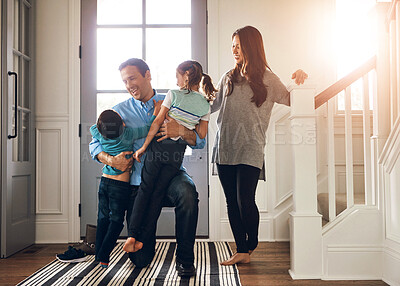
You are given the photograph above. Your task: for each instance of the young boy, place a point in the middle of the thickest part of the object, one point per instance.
(114, 188)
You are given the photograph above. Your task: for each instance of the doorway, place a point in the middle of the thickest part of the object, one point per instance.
(112, 32)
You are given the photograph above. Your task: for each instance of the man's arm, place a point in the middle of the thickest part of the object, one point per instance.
(172, 129)
(119, 162)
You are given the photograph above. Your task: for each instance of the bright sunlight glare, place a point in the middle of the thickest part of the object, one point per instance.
(355, 41)
(355, 33)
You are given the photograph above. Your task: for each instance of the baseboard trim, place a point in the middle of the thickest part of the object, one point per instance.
(303, 277)
(391, 283)
(391, 266)
(361, 278)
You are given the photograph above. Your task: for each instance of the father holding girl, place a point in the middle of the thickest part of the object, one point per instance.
(181, 191)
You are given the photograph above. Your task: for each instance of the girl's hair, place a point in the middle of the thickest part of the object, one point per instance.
(195, 76)
(110, 124)
(253, 66)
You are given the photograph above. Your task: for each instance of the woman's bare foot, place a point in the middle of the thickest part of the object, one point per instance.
(237, 258)
(129, 245)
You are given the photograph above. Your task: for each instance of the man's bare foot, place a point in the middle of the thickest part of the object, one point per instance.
(237, 258)
(129, 245)
(138, 245)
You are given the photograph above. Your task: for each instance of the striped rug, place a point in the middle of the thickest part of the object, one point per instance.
(161, 271)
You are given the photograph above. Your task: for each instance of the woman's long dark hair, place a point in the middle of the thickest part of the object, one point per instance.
(253, 66)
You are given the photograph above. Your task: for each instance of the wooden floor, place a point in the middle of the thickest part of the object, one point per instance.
(269, 266)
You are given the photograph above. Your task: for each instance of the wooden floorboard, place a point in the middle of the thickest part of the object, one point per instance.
(19, 266)
(269, 266)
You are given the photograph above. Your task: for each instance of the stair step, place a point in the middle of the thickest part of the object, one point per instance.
(341, 203)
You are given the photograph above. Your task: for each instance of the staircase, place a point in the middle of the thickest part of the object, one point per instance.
(335, 233)
(334, 200)
(337, 226)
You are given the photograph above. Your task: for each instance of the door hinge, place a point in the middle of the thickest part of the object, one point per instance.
(80, 130)
(79, 210)
(80, 51)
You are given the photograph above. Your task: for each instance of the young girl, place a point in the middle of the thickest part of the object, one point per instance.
(114, 188)
(189, 108)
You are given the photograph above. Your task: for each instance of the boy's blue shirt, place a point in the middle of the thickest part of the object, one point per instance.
(136, 114)
(122, 143)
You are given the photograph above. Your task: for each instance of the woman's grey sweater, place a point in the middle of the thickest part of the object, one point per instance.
(242, 126)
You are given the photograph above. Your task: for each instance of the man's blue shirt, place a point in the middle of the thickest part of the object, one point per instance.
(136, 114)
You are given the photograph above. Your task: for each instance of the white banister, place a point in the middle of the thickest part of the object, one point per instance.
(349, 148)
(305, 221)
(375, 140)
(367, 142)
(331, 160)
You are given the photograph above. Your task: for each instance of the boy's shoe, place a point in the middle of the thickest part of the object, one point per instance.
(72, 255)
(103, 264)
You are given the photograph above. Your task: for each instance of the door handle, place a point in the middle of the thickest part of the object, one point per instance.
(10, 73)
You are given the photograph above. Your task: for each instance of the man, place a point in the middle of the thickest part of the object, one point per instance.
(181, 192)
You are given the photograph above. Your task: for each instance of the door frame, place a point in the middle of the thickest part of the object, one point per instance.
(74, 12)
(199, 39)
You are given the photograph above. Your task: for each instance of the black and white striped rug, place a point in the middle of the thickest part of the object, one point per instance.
(161, 271)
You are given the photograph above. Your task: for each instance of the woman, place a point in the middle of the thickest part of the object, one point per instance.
(245, 97)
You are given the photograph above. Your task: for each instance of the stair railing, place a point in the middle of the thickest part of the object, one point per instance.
(366, 73)
(305, 221)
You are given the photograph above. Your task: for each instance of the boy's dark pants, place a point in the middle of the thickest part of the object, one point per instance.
(114, 199)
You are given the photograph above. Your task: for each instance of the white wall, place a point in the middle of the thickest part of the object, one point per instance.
(390, 203)
(297, 34)
(392, 223)
(389, 183)
(57, 118)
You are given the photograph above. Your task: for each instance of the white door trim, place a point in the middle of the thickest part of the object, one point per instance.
(74, 102)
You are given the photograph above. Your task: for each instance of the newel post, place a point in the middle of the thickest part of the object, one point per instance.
(305, 221)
